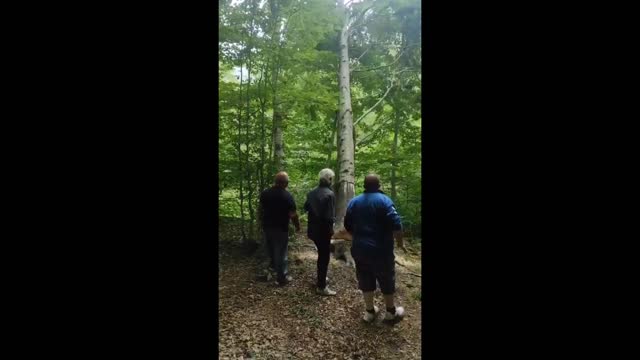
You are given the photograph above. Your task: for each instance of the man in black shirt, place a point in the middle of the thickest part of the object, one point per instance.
(276, 208)
(321, 207)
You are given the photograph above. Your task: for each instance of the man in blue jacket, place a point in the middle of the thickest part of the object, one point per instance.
(373, 222)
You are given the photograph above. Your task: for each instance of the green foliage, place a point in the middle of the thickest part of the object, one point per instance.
(292, 50)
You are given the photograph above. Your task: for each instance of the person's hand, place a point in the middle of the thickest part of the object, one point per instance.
(399, 240)
(401, 245)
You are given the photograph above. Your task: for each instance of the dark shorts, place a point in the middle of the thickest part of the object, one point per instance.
(371, 269)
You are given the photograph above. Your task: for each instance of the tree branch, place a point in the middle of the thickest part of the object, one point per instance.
(359, 57)
(384, 66)
(360, 17)
(407, 69)
(293, 12)
(364, 141)
(374, 106)
(309, 101)
(408, 272)
(381, 66)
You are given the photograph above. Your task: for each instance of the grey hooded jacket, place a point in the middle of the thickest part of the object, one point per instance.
(320, 205)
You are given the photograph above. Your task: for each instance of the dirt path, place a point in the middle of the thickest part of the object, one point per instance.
(259, 320)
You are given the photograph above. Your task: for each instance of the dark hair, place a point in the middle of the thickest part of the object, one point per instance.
(371, 182)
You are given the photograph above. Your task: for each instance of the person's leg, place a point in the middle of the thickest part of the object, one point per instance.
(368, 300)
(268, 244)
(366, 283)
(387, 279)
(285, 253)
(280, 242)
(324, 254)
(389, 302)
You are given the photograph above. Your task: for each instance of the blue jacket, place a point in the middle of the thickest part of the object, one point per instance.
(371, 219)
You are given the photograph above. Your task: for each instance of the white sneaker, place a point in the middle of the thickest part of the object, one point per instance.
(325, 292)
(369, 317)
(398, 315)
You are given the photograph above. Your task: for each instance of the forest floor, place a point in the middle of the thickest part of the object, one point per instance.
(259, 320)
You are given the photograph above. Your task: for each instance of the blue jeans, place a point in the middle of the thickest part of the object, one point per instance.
(277, 242)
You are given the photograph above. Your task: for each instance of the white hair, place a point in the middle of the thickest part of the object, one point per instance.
(326, 175)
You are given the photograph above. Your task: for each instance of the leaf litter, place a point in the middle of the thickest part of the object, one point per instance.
(258, 320)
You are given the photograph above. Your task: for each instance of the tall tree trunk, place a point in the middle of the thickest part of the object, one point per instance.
(263, 135)
(272, 28)
(394, 154)
(270, 158)
(278, 140)
(250, 185)
(250, 238)
(346, 162)
(252, 215)
(332, 139)
(277, 147)
(262, 98)
(278, 123)
(240, 167)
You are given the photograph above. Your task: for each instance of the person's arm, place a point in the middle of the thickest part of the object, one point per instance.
(398, 235)
(307, 206)
(330, 211)
(260, 212)
(396, 224)
(295, 220)
(348, 219)
(293, 214)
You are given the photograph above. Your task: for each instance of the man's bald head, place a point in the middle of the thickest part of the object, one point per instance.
(282, 179)
(372, 182)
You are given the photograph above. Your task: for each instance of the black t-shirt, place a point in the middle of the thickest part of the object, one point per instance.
(276, 203)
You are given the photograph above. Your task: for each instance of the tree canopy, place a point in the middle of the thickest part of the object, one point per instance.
(279, 98)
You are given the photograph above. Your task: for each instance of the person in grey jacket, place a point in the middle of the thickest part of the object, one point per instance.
(320, 205)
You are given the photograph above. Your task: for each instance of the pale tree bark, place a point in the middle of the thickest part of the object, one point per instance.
(394, 162)
(240, 165)
(278, 140)
(278, 114)
(394, 154)
(263, 136)
(396, 127)
(345, 188)
(250, 238)
(332, 139)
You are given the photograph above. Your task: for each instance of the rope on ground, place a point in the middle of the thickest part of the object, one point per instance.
(408, 272)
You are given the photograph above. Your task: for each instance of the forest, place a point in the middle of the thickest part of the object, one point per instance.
(307, 85)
